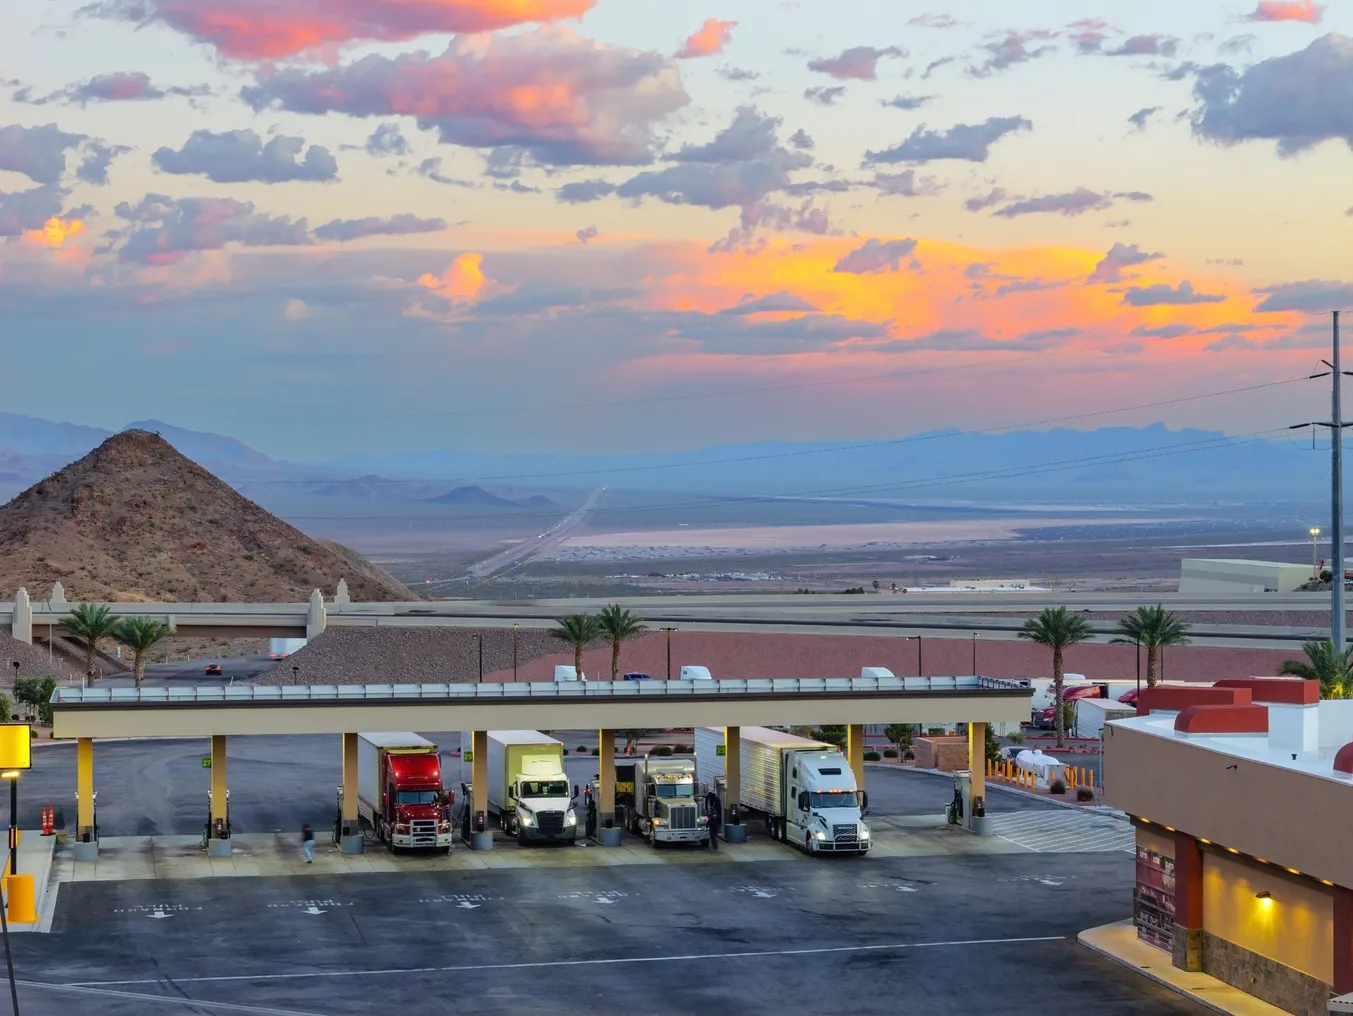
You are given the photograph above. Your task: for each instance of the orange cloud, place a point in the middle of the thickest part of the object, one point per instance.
(464, 282)
(268, 30)
(711, 38)
(1288, 10)
(55, 232)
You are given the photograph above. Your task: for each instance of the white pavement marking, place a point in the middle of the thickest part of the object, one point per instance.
(195, 1004)
(613, 961)
(1064, 832)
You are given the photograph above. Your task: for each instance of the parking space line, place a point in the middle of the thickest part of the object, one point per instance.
(612, 961)
(181, 1001)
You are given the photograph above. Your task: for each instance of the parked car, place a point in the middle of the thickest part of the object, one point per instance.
(638, 677)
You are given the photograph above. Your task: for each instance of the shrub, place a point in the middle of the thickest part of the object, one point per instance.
(596, 751)
(6, 708)
(909, 755)
(900, 734)
(684, 749)
(582, 749)
(1058, 787)
(663, 750)
(1084, 794)
(1018, 737)
(935, 731)
(890, 753)
(872, 756)
(565, 751)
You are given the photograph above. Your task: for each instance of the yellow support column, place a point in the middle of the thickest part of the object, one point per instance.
(855, 752)
(86, 845)
(219, 844)
(605, 782)
(351, 829)
(732, 747)
(977, 794)
(479, 792)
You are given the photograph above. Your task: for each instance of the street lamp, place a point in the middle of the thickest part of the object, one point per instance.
(515, 627)
(1315, 553)
(669, 650)
(974, 654)
(480, 639)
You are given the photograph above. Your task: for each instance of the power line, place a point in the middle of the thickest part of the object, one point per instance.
(834, 449)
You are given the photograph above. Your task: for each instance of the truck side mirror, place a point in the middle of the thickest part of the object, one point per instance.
(575, 790)
(511, 793)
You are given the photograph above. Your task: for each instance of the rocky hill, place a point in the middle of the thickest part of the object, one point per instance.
(136, 520)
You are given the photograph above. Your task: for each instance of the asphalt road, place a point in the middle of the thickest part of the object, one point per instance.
(989, 933)
(154, 788)
(193, 672)
(519, 553)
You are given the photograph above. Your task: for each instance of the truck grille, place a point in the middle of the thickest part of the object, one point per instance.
(845, 834)
(550, 822)
(424, 832)
(681, 817)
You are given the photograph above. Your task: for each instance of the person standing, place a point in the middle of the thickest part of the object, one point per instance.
(714, 810)
(308, 843)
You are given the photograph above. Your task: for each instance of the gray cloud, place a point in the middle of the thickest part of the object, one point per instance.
(801, 140)
(1315, 296)
(166, 230)
(242, 156)
(1011, 49)
(39, 153)
(1139, 118)
(404, 224)
(587, 233)
(717, 185)
(876, 256)
(122, 86)
(29, 209)
(1163, 331)
(506, 163)
(739, 334)
(1297, 100)
(1072, 203)
(749, 136)
(431, 169)
(983, 201)
(935, 21)
(907, 102)
(729, 73)
(781, 302)
(609, 98)
(97, 158)
(1230, 342)
(906, 184)
(824, 96)
(584, 191)
(971, 142)
(1145, 45)
(387, 140)
(1119, 257)
(1162, 294)
(971, 340)
(859, 63)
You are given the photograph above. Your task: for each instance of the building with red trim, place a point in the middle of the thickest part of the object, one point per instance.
(1242, 797)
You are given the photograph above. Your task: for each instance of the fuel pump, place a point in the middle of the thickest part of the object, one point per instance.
(338, 818)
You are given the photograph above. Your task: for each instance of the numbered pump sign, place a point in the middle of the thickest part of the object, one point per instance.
(16, 746)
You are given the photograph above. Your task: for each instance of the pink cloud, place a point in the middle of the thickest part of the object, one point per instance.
(1288, 10)
(268, 30)
(464, 282)
(712, 37)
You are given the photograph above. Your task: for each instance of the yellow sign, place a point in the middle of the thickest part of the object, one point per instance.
(16, 746)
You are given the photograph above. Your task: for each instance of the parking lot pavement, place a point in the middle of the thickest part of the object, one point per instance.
(864, 935)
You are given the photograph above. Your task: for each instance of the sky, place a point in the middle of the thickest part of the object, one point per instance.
(354, 226)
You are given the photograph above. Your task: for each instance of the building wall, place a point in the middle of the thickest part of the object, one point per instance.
(1202, 575)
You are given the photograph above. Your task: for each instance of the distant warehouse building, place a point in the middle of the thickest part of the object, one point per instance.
(1206, 575)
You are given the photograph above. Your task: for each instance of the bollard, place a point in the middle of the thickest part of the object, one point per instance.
(22, 908)
(1092, 779)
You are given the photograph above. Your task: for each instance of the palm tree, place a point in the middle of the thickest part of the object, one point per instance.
(619, 625)
(1334, 670)
(1057, 629)
(577, 630)
(89, 623)
(141, 635)
(1153, 627)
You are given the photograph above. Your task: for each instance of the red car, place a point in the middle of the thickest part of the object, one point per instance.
(213, 670)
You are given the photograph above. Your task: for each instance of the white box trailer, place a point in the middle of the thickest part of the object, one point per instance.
(805, 790)
(1093, 713)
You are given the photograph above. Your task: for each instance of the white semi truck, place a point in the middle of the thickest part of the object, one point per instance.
(528, 789)
(804, 790)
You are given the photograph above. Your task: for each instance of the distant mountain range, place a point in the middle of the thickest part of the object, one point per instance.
(1142, 464)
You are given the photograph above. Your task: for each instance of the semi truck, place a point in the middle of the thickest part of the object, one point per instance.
(803, 790)
(528, 790)
(399, 791)
(660, 799)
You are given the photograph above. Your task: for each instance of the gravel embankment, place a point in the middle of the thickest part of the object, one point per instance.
(33, 662)
(1245, 618)
(379, 655)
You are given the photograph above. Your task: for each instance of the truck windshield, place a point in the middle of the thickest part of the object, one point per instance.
(835, 799)
(681, 789)
(416, 797)
(543, 788)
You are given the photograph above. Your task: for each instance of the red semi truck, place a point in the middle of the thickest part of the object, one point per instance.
(399, 791)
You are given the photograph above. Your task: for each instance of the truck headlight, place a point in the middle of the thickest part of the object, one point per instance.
(445, 827)
(401, 829)
(820, 835)
(571, 818)
(864, 832)
(526, 818)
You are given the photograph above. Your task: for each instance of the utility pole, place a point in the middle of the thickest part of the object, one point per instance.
(1336, 425)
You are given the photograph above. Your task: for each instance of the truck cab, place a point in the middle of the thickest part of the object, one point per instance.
(822, 804)
(540, 807)
(400, 791)
(668, 807)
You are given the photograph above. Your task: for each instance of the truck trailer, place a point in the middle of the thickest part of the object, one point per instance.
(803, 790)
(528, 789)
(399, 791)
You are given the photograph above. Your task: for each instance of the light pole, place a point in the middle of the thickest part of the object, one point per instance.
(974, 654)
(1315, 553)
(920, 669)
(480, 639)
(669, 650)
(515, 628)
(1139, 669)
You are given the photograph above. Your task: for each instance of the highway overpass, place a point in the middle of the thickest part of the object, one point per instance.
(939, 615)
